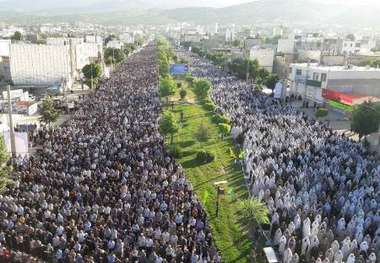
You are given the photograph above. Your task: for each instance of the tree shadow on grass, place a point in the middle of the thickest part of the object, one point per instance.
(187, 153)
(193, 163)
(185, 144)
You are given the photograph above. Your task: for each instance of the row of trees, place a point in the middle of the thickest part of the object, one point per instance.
(165, 54)
(116, 55)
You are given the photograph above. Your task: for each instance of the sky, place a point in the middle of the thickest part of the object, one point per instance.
(211, 3)
(33, 4)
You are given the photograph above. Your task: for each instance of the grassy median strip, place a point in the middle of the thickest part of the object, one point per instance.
(229, 232)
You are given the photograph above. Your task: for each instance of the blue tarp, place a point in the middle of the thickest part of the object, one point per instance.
(178, 69)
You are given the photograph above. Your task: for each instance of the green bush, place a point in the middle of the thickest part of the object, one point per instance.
(220, 119)
(182, 93)
(321, 112)
(205, 157)
(175, 151)
(189, 79)
(209, 106)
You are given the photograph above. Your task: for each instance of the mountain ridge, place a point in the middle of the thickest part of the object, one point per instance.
(296, 12)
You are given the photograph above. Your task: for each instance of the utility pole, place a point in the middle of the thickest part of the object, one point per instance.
(11, 130)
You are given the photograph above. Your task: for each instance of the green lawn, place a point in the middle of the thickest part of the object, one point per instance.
(230, 234)
(339, 105)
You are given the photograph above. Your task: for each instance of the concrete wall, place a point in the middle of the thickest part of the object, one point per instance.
(333, 60)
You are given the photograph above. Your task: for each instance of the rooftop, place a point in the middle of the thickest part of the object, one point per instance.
(316, 66)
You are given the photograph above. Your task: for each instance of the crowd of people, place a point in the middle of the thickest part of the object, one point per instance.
(322, 189)
(103, 188)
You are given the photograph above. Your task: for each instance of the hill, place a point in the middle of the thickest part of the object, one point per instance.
(296, 12)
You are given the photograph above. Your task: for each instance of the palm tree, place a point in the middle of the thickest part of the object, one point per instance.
(254, 212)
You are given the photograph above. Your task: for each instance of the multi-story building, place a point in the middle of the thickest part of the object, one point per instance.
(264, 55)
(115, 44)
(41, 65)
(127, 38)
(5, 73)
(347, 84)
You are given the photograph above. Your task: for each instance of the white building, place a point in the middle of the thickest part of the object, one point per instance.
(40, 65)
(4, 59)
(63, 41)
(86, 53)
(94, 39)
(115, 44)
(286, 46)
(350, 47)
(5, 47)
(343, 83)
(230, 34)
(265, 57)
(127, 38)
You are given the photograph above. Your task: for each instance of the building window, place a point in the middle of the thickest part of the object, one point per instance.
(315, 76)
(323, 77)
(299, 72)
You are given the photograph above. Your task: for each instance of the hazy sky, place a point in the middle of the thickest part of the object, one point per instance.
(213, 3)
(166, 3)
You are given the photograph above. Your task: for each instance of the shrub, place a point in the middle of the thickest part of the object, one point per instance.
(209, 106)
(205, 157)
(182, 93)
(175, 151)
(189, 79)
(203, 133)
(321, 112)
(220, 119)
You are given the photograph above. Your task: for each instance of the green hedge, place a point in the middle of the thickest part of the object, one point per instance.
(205, 157)
(220, 119)
(209, 106)
(321, 112)
(175, 151)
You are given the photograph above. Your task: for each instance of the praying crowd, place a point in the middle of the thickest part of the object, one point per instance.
(103, 188)
(322, 189)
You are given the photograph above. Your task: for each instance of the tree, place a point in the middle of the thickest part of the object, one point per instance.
(17, 36)
(5, 168)
(224, 129)
(202, 134)
(113, 56)
(92, 73)
(201, 88)
(168, 87)
(182, 94)
(375, 63)
(254, 212)
(169, 125)
(365, 118)
(48, 113)
(271, 81)
(129, 48)
(109, 38)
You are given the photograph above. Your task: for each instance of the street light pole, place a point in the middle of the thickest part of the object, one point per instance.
(11, 130)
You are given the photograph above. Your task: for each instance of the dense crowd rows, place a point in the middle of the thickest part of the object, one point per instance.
(322, 189)
(104, 189)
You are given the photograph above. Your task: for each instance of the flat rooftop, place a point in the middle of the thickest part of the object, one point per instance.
(317, 66)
